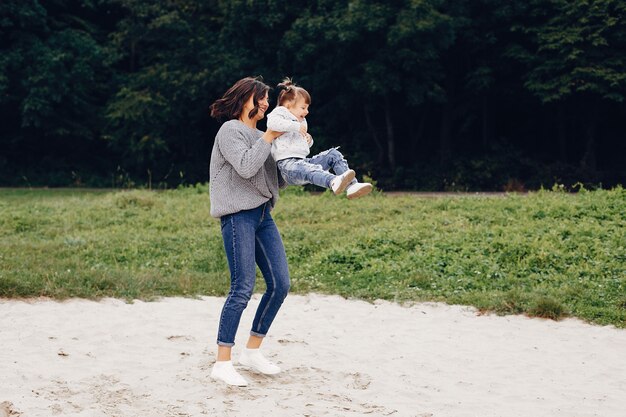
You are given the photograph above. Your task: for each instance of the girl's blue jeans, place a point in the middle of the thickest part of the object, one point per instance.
(300, 171)
(251, 236)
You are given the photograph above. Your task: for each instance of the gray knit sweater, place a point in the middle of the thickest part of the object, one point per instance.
(242, 174)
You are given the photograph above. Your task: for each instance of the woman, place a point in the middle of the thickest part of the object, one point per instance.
(243, 189)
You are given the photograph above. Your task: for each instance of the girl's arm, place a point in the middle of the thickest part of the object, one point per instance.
(281, 123)
(309, 140)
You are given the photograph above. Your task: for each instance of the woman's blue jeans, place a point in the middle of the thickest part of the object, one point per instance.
(314, 170)
(251, 236)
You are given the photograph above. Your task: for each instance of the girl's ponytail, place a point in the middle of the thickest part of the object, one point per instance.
(286, 84)
(288, 90)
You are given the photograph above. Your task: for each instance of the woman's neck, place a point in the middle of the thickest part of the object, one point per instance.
(248, 121)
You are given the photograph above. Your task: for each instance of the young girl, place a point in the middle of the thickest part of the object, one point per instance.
(290, 150)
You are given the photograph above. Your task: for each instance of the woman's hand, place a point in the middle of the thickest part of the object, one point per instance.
(270, 135)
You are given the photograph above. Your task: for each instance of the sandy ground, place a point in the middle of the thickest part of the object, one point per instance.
(340, 358)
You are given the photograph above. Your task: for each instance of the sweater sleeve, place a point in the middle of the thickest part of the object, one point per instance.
(279, 122)
(246, 160)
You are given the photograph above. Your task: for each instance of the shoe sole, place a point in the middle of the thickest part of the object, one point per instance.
(346, 181)
(362, 192)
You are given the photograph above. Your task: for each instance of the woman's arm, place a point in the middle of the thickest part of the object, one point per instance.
(246, 160)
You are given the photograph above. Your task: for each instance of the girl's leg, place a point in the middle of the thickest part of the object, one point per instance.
(300, 172)
(331, 159)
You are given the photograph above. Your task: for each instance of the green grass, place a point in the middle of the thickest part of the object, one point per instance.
(547, 254)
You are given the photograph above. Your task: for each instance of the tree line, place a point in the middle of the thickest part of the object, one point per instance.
(420, 94)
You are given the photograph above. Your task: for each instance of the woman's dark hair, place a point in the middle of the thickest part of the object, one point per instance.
(289, 91)
(231, 104)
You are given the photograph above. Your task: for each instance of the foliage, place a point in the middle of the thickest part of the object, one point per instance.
(577, 44)
(160, 100)
(90, 89)
(53, 71)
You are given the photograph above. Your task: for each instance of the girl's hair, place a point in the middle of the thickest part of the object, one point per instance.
(231, 104)
(289, 91)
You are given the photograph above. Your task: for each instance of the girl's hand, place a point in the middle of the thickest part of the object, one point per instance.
(308, 138)
(270, 135)
(303, 129)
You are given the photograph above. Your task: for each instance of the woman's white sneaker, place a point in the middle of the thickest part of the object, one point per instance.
(253, 358)
(340, 182)
(225, 371)
(359, 189)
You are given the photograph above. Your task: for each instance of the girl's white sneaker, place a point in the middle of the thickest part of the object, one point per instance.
(253, 358)
(225, 371)
(359, 189)
(340, 182)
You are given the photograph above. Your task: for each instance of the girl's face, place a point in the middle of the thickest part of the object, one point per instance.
(263, 106)
(298, 107)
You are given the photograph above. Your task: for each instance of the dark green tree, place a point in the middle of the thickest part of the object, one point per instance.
(52, 73)
(167, 64)
(423, 94)
(578, 61)
(380, 56)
